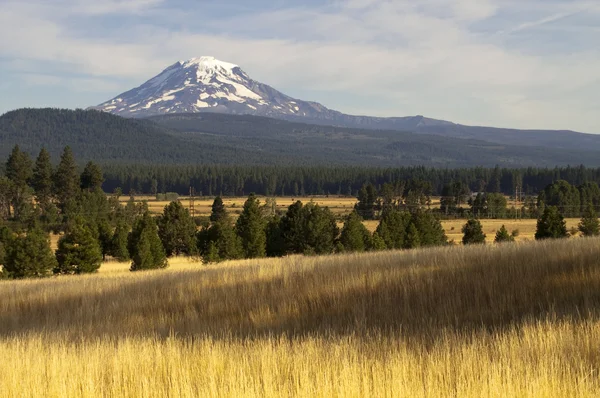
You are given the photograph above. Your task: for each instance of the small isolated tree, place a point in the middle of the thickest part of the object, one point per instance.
(250, 228)
(78, 250)
(473, 232)
(551, 225)
(118, 244)
(502, 235)
(589, 225)
(355, 237)
(177, 230)
(218, 212)
(144, 245)
(29, 256)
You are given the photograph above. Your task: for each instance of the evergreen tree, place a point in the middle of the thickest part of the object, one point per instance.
(118, 244)
(473, 232)
(177, 230)
(66, 180)
(320, 229)
(19, 171)
(218, 212)
(92, 177)
(275, 240)
(551, 225)
(589, 225)
(366, 205)
(144, 245)
(6, 238)
(502, 235)
(42, 180)
(355, 237)
(29, 256)
(431, 232)
(219, 242)
(18, 167)
(105, 236)
(292, 228)
(250, 228)
(392, 228)
(78, 250)
(377, 243)
(413, 238)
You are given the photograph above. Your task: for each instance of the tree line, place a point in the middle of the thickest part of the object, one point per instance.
(220, 180)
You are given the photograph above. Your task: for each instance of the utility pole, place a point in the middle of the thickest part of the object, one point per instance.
(192, 209)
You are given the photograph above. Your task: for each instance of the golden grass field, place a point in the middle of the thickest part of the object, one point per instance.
(488, 321)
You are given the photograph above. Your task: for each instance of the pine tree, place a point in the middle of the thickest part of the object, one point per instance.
(66, 179)
(42, 179)
(250, 228)
(118, 244)
(105, 236)
(219, 242)
(551, 225)
(19, 171)
(320, 230)
(275, 239)
(144, 245)
(589, 225)
(92, 177)
(392, 228)
(413, 238)
(502, 235)
(6, 238)
(292, 228)
(377, 243)
(355, 237)
(78, 250)
(473, 232)
(218, 212)
(29, 256)
(431, 232)
(367, 197)
(177, 230)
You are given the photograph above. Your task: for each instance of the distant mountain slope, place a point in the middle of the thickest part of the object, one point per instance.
(337, 145)
(212, 138)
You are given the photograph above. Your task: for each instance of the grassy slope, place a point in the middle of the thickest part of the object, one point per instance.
(511, 320)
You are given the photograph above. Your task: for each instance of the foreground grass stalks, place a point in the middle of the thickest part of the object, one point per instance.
(508, 320)
(542, 359)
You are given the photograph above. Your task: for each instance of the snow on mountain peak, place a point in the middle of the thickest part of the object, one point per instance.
(204, 84)
(207, 63)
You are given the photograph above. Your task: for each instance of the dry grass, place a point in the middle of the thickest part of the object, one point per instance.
(510, 320)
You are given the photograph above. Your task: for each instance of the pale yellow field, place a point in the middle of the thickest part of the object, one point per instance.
(488, 321)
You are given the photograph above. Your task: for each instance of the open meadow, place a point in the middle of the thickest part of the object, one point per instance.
(485, 321)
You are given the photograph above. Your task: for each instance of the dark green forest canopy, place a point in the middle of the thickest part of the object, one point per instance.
(317, 180)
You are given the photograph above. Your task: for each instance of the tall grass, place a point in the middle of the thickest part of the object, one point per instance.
(509, 320)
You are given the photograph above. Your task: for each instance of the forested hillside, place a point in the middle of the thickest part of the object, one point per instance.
(215, 139)
(103, 137)
(315, 144)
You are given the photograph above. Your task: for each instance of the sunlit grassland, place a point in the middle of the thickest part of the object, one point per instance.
(497, 320)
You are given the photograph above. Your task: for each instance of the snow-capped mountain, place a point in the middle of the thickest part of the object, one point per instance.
(206, 84)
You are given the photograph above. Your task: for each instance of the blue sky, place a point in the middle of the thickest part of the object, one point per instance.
(507, 63)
